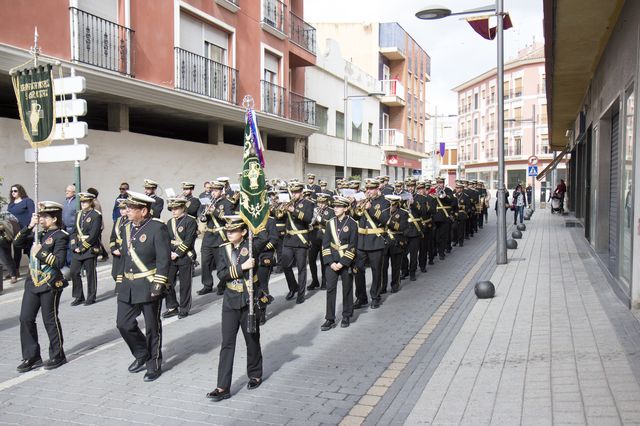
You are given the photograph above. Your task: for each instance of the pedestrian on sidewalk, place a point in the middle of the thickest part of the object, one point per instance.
(115, 214)
(69, 211)
(23, 208)
(233, 270)
(519, 203)
(8, 229)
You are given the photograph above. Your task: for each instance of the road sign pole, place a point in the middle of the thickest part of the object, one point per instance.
(76, 164)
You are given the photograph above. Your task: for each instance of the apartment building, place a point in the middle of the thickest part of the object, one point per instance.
(525, 114)
(403, 69)
(442, 148)
(165, 84)
(326, 153)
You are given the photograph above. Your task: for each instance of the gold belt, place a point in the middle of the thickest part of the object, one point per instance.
(426, 220)
(299, 232)
(415, 220)
(375, 231)
(132, 276)
(338, 248)
(218, 229)
(236, 286)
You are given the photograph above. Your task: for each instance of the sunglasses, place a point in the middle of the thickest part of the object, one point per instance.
(14, 190)
(124, 189)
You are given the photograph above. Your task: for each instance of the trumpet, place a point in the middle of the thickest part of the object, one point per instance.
(360, 206)
(282, 208)
(441, 193)
(211, 207)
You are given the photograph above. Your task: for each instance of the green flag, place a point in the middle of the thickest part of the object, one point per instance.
(254, 206)
(34, 94)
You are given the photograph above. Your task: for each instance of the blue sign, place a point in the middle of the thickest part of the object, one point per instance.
(533, 170)
(417, 172)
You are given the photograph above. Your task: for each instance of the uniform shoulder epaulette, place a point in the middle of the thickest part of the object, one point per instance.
(64, 232)
(98, 211)
(192, 217)
(158, 220)
(225, 244)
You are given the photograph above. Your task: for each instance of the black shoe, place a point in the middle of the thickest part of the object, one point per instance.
(170, 313)
(328, 325)
(375, 304)
(412, 277)
(76, 302)
(254, 383)
(323, 287)
(54, 363)
(263, 319)
(383, 291)
(441, 257)
(137, 366)
(89, 302)
(313, 286)
(430, 261)
(345, 322)
(404, 275)
(360, 304)
(291, 295)
(300, 300)
(455, 243)
(203, 291)
(150, 376)
(395, 289)
(217, 395)
(423, 269)
(220, 291)
(29, 364)
(183, 314)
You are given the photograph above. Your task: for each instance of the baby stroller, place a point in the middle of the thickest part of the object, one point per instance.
(556, 204)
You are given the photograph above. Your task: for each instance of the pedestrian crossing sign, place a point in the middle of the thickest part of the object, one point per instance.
(533, 170)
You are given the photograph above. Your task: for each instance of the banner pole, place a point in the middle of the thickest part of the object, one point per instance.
(251, 320)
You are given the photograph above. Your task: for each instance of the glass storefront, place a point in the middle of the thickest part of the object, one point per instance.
(626, 184)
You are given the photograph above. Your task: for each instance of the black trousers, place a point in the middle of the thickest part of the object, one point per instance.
(443, 230)
(6, 259)
(232, 319)
(264, 273)
(184, 272)
(48, 303)
(425, 246)
(295, 256)
(209, 256)
(347, 292)
(146, 346)
(410, 256)
(394, 257)
(314, 251)
(375, 258)
(460, 226)
(92, 278)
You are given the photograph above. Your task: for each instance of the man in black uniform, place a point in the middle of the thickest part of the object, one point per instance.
(338, 253)
(312, 185)
(143, 278)
(385, 188)
(193, 203)
(150, 187)
(266, 260)
(214, 236)
(414, 232)
(477, 210)
(296, 242)
(85, 246)
(43, 286)
(473, 198)
(372, 214)
(183, 231)
(233, 271)
(464, 209)
(280, 218)
(324, 189)
(115, 241)
(442, 218)
(321, 214)
(397, 227)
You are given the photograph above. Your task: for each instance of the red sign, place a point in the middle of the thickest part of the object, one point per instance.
(392, 159)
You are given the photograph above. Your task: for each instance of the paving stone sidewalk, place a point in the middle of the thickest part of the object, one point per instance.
(555, 346)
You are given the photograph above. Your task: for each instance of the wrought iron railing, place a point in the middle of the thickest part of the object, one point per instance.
(274, 13)
(302, 109)
(301, 33)
(97, 41)
(273, 98)
(197, 74)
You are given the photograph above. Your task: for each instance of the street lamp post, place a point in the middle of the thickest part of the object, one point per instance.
(441, 12)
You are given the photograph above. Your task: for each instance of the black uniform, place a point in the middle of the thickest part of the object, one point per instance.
(428, 244)
(387, 190)
(235, 311)
(157, 206)
(86, 239)
(146, 256)
(214, 237)
(115, 243)
(414, 234)
(267, 256)
(316, 237)
(442, 220)
(296, 245)
(281, 229)
(471, 225)
(339, 246)
(182, 237)
(398, 226)
(315, 188)
(464, 210)
(193, 206)
(42, 291)
(371, 245)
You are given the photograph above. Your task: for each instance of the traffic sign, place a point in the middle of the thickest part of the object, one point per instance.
(533, 160)
(56, 154)
(69, 85)
(533, 170)
(71, 130)
(71, 108)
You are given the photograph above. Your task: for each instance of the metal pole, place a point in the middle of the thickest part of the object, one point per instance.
(346, 88)
(435, 138)
(76, 164)
(533, 144)
(501, 242)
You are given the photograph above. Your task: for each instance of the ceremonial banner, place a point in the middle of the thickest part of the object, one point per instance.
(36, 104)
(481, 25)
(254, 206)
(442, 149)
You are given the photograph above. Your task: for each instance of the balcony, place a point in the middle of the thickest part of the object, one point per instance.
(393, 41)
(273, 16)
(391, 138)
(197, 74)
(273, 97)
(101, 43)
(230, 5)
(301, 33)
(393, 93)
(302, 109)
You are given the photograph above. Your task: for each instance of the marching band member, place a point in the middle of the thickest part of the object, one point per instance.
(416, 212)
(150, 187)
(85, 247)
(115, 241)
(397, 227)
(321, 214)
(193, 203)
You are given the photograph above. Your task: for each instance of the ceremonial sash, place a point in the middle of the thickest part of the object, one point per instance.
(296, 230)
(336, 240)
(136, 260)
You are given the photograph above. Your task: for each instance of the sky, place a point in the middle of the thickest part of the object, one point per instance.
(457, 52)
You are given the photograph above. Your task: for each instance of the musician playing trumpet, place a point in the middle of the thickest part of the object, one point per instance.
(321, 214)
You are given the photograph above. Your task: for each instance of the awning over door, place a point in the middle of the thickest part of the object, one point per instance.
(552, 165)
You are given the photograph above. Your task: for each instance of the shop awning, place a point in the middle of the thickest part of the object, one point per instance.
(553, 164)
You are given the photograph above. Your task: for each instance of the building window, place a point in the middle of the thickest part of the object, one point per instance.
(476, 103)
(518, 87)
(517, 145)
(515, 177)
(543, 114)
(543, 84)
(627, 148)
(370, 137)
(475, 126)
(356, 132)
(322, 118)
(506, 90)
(339, 124)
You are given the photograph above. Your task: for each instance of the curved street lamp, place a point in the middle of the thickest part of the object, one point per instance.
(439, 12)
